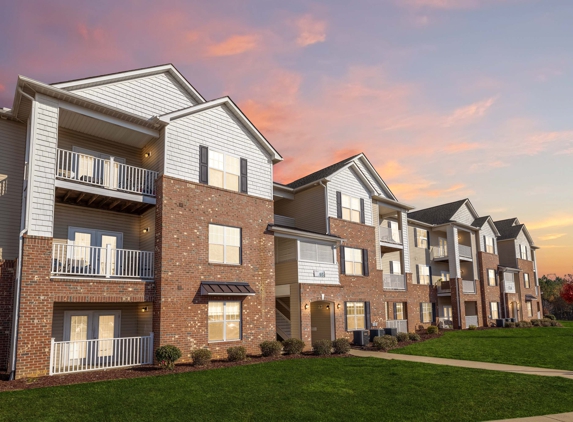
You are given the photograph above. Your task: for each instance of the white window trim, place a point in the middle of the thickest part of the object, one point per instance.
(356, 316)
(350, 198)
(96, 236)
(420, 266)
(402, 312)
(224, 302)
(526, 281)
(494, 278)
(225, 155)
(92, 322)
(225, 246)
(418, 237)
(423, 312)
(334, 261)
(392, 267)
(354, 262)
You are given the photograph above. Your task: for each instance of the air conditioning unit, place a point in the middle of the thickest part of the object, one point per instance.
(361, 338)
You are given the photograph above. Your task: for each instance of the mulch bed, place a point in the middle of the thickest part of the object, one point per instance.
(423, 337)
(140, 371)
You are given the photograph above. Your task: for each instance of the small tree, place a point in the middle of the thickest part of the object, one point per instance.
(567, 289)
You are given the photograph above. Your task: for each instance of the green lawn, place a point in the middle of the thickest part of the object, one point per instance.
(299, 390)
(544, 347)
(567, 323)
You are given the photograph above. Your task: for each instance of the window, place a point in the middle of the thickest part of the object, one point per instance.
(353, 261)
(355, 316)
(426, 313)
(421, 238)
(494, 310)
(526, 282)
(351, 208)
(224, 321)
(523, 251)
(491, 281)
(423, 274)
(395, 267)
(489, 245)
(316, 252)
(529, 306)
(224, 171)
(224, 244)
(399, 310)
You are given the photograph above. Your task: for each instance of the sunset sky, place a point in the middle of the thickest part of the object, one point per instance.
(448, 98)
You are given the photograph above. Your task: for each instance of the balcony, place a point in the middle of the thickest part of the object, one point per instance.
(469, 286)
(104, 173)
(74, 261)
(465, 251)
(282, 220)
(394, 281)
(444, 288)
(387, 235)
(439, 252)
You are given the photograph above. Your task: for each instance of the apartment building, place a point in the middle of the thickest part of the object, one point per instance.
(520, 295)
(134, 214)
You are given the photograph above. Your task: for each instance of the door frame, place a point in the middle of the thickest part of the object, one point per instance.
(331, 316)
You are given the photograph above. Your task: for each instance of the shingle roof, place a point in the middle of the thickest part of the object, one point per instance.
(480, 221)
(321, 174)
(440, 214)
(506, 229)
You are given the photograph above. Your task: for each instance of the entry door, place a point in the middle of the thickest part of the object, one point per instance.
(447, 315)
(393, 226)
(88, 254)
(322, 321)
(81, 326)
(106, 328)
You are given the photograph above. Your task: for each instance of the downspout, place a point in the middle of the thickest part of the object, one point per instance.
(459, 304)
(326, 206)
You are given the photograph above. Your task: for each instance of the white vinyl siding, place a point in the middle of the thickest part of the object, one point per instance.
(464, 215)
(371, 179)
(219, 130)
(487, 236)
(145, 96)
(348, 183)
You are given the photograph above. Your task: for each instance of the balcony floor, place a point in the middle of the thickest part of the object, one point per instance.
(102, 199)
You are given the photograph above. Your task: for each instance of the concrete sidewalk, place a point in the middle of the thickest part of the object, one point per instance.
(527, 370)
(561, 417)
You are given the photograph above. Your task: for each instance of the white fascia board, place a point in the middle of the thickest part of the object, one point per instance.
(299, 235)
(358, 172)
(472, 209)
(526, 232)
(492, 225)
(276, 157)
(393, 204)
(421, 223)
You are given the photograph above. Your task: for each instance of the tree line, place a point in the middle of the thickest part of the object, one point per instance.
(556, 296)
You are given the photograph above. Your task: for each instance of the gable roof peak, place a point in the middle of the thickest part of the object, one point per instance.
(322, 173)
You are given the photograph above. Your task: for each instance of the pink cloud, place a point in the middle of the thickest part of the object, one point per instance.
(462, 147)
(310, 30)
(469, 112)
(236, 44)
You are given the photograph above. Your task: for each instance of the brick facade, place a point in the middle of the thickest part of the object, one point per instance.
(526, 267)
(183, 215)
(7, 279)
(489, 261)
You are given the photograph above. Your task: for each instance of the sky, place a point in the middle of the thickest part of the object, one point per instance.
(449, 99)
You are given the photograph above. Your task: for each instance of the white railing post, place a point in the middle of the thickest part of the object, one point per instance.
(150, 356)
(112, 182)
(52, 357)
(107, 261)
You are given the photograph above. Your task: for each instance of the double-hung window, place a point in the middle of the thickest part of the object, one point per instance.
(491, 281)
(224, 171)
(494, 310)
(351, 208)
(489, 245)
(523, 251)
(529, 306)
(399, 310)
(224, 321)
(316, 252)
(421, 238)
(224, 244)
(426, 314)
(355, 316)
(424, 274)
(526, 282)
(353, 261)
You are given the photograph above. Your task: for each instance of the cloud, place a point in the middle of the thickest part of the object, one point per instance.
(552, 236)
(557, 221)
(236, 44)
(442, 4)
(462, 147)
(469, 112)
(423, 190)
(310, 30)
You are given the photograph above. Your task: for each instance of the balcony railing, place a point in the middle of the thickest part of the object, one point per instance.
(469, 286)
(444, 287)
(105, 173)
(471, 320)
(400, 324)
(390, 236)
(439, 252)
(90, 355)
(394, 281)
(94, 261)
(282, 220)
(465, 251)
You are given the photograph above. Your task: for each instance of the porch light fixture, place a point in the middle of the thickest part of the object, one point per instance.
(338, 306)
(147, 154)
(145, 309)
(146, 230)
(327, 306)
(306, 306)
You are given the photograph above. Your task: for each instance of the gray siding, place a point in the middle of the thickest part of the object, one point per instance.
(376, 222)
(306, 273)
(145, 96)
(391, 256)
(371, 178)
(219, 130)
(13, 147)
(147, 240)
(157, 157)
(418, 256)
(486, 230)
(286, 272)
(285, 249)
(464, 215)
(406, 241)
(521, 239)
(307, 208)
(349, 184)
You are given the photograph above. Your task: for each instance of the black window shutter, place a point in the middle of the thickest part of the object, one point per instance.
(365, 271)
(203, 164)
(433, 312)
(367, 315)
(342, 261)
(244, 184)
(428, 238)
(345, 316)
(338, 204)
(422, 312)
(394, 310)
(430, 272)
(241, 246)
(362, 215)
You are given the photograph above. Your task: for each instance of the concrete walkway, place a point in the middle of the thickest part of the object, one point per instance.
(468, 364)
(561, 417)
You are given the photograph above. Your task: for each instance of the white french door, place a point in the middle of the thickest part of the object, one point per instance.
(89, 250)
(393, 226)
(94, 167)
(443, 244)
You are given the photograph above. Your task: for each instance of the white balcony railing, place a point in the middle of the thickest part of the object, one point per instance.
(439, 252)
(471, 320)
(90, 355)
(469, 286)
(94, 261)
(465, 251)
(390, 236)
(444, 287)
(400, 324)
(105, 173)
(394, 281)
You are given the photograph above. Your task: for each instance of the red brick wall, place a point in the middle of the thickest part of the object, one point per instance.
(457, 285)
(489, 293)
(183, 214)
(39, 293)
(7, 278)
(527, 267)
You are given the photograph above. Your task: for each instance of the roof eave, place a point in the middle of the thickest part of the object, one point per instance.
(304, 234)
(393, 202)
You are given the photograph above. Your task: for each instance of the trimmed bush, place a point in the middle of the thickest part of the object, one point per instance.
(236, 354)
(472, 327)
(341, 346)
(167, 356)
(414, 337)
(550, 316)
(524, 324)
(201, 357)
(432, 329)
(510, 325)
(402, 337)
(536, 322)
(385, 342)
(293, 346)
(556, 324)
(546, 322)
(322, 347)
(271, 348)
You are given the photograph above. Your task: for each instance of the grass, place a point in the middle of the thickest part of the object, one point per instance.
(544, 347)
(568, 324)
(307, 389)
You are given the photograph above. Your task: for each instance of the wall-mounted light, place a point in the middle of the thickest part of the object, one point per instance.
(338, 306)
(145, 309)
(327, 306)
(147, 154)
(146, 230)
(306, 306)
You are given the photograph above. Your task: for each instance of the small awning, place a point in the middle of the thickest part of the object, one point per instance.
(530, 297)
(215, 288)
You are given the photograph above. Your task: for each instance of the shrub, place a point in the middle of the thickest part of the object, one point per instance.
(385, 342)
(236, 354)
(402, 337)
(550, 316)
(293, 346)
(201, 357)
(510, 324)
(546, 322)
(414, 337)
(536, 322)
(524, 324)
(341, 346)
(167, 355)
(322, 347)
(432, 329)
(556, 324)
(271, 348)
(472, 327)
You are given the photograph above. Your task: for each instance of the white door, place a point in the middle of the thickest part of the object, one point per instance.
(106, 328)
(443, 244)
(88, 254)
(393, 226)
(447, 315)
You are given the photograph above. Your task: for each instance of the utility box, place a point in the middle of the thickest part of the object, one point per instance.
(500, 323)
(391, 331)
(376, 333)
(361, 338)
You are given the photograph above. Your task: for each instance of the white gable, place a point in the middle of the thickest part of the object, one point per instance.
(348, 183)
(488, 231)
(145, 96)
(464, 215)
